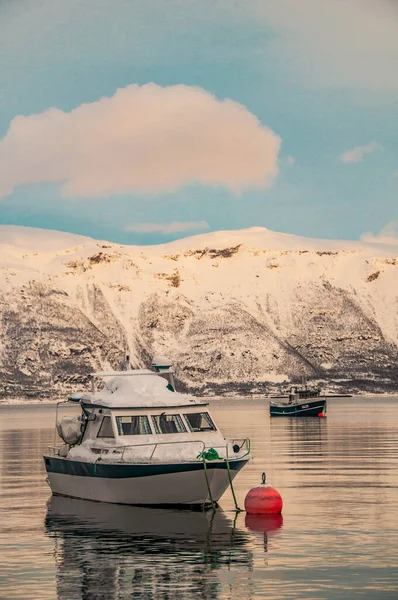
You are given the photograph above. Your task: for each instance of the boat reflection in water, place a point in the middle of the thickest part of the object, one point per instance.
(104, 552)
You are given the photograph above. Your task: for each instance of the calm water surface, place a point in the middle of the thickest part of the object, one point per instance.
(338, 537)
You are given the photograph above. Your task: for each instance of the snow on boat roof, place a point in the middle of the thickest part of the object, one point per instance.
(144, 389)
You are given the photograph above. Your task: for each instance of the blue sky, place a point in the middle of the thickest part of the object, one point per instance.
(320, 75)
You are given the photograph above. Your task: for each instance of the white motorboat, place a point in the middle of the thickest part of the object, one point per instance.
(137, 441)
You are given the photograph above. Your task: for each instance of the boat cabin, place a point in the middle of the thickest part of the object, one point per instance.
(125, 425)
(137, 413)
(297, 394)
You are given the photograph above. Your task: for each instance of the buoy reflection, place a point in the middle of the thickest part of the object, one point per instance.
(264, 524)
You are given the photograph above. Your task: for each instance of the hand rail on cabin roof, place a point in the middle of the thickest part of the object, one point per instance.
(128, 373)
(123, 373)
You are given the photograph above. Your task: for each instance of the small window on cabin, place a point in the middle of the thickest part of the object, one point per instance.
(106, 430)
(133, 425)
(168, 424)
(200, 422)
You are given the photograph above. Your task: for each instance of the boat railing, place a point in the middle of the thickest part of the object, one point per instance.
(54, 450)
(236, 445)
(241, 442)
(156, 445)
(244, 443)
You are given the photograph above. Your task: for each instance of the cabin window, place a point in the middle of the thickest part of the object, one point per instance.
(133, 425)
(106, 430)
(200, 422)
(168, 424)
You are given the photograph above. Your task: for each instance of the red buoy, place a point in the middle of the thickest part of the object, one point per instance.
(263, 500)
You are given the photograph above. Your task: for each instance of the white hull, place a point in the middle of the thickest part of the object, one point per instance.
(171, 488)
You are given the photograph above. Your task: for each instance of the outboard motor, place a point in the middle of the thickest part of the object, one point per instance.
(164, 366)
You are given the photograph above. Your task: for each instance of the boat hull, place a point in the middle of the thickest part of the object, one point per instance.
(140, 484)
(302, 409)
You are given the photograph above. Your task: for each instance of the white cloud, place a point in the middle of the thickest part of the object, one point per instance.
(357, 154)
(175, 227)
(144, 139)
(290, 160)
(332, 43)
(388, 235)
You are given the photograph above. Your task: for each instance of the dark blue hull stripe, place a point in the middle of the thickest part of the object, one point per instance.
(122, 471)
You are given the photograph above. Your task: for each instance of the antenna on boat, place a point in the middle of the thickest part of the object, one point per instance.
(162, 364)
(127, 363)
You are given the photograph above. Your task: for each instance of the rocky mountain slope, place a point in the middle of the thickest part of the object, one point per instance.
(239, 312)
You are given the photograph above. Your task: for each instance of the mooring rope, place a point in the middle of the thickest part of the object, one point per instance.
(210, 455)
(213, 504)
(232, 488)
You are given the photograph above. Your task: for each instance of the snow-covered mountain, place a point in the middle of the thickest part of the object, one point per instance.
(239, 311)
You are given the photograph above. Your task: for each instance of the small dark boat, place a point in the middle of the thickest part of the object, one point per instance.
(300, 403)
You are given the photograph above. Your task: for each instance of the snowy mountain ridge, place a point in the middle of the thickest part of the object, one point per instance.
(239, 311)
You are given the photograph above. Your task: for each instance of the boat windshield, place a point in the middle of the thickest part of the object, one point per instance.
(133, 425)
(168, 424)
(200, 422)
(106, 430)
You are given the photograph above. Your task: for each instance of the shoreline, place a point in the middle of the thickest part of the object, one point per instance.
(47, 402)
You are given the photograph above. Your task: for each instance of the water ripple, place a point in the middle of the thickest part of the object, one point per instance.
(338, 538)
